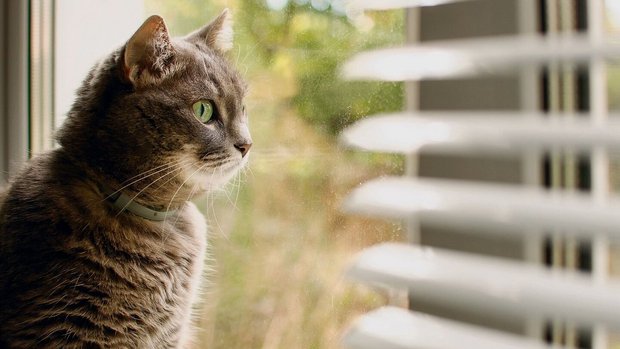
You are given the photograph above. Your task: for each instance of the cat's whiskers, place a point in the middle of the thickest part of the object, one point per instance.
(238, 187)
(159, 170)
(238, 54)
(200, 168)
(211, 206)
(247, 170)
(249, 53)
(290, 151)
(146, 172)
(214, 215)
(223, 189)
(191, 194)
(161, 185)
(177, 169)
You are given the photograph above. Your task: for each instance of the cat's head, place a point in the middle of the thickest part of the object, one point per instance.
(162, 103)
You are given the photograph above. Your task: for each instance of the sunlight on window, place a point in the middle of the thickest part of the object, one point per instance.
(613, 79)
(86, 31)
(613, 15)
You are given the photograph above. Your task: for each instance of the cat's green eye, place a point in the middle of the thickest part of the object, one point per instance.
(203, 111)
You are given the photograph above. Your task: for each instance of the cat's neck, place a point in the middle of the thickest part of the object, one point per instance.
(158, 187)
(122, 202)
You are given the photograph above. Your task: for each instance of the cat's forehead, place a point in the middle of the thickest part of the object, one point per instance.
(211, 68)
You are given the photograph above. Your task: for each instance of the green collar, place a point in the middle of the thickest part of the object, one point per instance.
(123, 202)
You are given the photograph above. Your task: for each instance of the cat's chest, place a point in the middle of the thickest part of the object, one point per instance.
(180, 252)
(163, 283)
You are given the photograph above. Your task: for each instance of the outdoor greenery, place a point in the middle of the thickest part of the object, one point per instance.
(309, 45)
(614, 87)
(304, 46)
(279, 244)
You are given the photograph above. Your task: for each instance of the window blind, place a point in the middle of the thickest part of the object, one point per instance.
(458, 280)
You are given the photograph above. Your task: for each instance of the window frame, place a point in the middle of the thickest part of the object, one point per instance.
(14, 87)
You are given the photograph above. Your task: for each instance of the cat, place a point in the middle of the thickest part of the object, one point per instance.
(100, 246)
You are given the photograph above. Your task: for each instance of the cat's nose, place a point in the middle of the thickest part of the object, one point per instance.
(244, 148)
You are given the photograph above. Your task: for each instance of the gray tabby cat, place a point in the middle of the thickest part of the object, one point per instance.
(99, 244)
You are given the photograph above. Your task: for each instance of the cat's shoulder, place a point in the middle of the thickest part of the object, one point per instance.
(40, 181)
(42, 191)
(52, 167)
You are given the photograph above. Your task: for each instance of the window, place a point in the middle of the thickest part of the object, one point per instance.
(277, 256)
(80, 40)
(279, 253)
(279, 239)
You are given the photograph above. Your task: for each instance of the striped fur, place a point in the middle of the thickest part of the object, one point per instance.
(75, 273)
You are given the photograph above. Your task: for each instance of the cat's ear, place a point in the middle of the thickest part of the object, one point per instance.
(218, 34)
(148, 55)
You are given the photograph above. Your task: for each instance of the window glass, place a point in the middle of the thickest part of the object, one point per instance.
(612, 24)
(279, 241)
(86, 31)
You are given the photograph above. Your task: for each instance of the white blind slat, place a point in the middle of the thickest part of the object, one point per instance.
(480, 132)
(489, 285)
(470, 283)
(394, 4)
(394, 328)
(464, 58)
(504, 209)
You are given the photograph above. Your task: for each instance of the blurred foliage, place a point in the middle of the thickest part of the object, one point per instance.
(613, 81)
(312, 44)
(278, 240)
(306, 47)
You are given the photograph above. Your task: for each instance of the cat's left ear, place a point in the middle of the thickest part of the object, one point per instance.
(218, 34)
(148, 55)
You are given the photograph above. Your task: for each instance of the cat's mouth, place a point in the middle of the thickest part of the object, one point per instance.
(206, 175)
